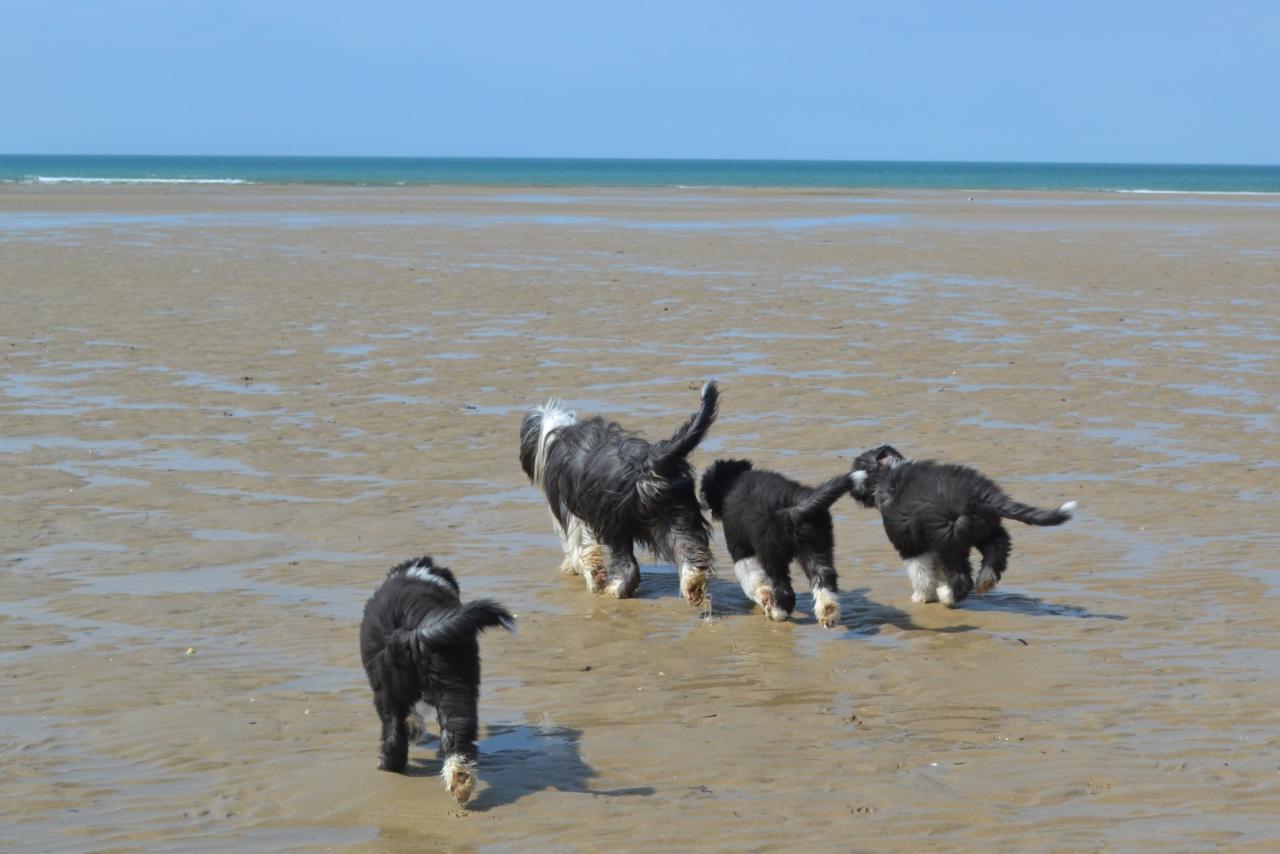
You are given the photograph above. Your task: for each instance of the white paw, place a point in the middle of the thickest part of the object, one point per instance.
(593, 570)
(616, 589)
(826, 608)
(693, 584)
(459, 778)
(985, 581)
(764, 597)
(946, 595)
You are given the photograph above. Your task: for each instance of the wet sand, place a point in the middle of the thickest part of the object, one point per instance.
(225, 411)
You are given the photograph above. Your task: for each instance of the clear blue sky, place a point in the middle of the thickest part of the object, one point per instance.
(1073, 81)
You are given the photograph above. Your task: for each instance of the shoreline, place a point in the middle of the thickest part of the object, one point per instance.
(219, 183)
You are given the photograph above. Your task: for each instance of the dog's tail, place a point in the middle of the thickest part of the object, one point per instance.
(822, 497)
(684, 440)
(537, 434)
(1029, 515)
(457, 626)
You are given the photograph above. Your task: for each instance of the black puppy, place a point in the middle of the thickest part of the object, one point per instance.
(934, 513)
(770, 520)
(418, 644)
(608, 487)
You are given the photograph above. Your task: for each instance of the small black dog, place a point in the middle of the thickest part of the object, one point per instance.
(418, 644)
(770, 520)
(608, 487)
(934, 513)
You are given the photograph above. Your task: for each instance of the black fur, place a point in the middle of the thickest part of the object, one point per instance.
(418, 643)
(940, 511)
(626, 491)
(775, 520)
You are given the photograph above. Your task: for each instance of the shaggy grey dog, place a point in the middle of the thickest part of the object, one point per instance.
(608, 487)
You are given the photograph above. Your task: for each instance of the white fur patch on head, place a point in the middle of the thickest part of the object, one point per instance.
(421, 573)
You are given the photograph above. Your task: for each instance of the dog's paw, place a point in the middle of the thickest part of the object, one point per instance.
(617, 589)
(920, 597)
(459, 778)
(568, 567)
(593, 570)
(826, 608)
(694, 584)
(946, 595)
(392, 764)
(985, 581)
(769, 605)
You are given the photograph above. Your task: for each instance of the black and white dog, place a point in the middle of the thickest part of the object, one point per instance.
(934, 513)
(770, 520)
(418, 644)
(608, 487)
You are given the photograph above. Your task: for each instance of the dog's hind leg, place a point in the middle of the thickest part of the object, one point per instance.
(395, 737)
(920, 571)
(568, 544)
(456, 712)
(585, 555)
(624, 571)
(692, 556)
(759, 587)
(995, 558)
(954, 579)
(822, 581)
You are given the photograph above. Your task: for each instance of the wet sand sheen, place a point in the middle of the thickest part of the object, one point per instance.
(226, 410)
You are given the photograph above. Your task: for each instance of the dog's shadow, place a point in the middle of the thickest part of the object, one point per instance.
(516, 761)
(1017, 603)
(862, 616)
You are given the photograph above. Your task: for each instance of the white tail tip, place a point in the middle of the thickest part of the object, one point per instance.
(859, 477)
(1069, 507)
(510, 625)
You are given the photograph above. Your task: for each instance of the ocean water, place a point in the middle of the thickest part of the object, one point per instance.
(1115, 177)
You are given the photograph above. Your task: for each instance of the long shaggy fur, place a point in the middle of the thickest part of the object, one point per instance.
(770, 520)
(418, 644)
(609, 488)
(934, 513)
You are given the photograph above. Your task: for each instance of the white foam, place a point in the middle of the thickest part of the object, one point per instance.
(75, 179)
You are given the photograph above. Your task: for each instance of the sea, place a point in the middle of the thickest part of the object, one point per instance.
(567, 172)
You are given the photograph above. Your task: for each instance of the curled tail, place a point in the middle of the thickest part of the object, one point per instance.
(822, 497)
(1029, 515)
(691, 432)
(453, 628)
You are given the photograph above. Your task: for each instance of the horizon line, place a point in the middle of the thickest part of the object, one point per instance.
(616, 159)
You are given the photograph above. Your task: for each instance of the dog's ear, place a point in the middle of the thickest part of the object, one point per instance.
(887, 456)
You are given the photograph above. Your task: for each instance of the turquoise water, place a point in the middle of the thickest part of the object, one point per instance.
(640, 173)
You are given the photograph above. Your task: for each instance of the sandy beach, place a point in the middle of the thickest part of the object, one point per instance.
(225, 411)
